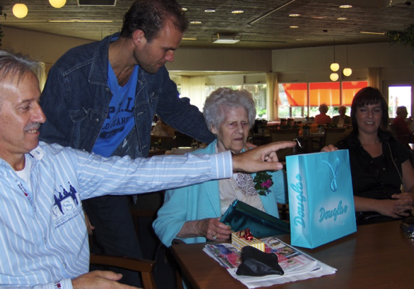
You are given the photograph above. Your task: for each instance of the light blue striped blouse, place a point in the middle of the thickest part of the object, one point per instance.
(43, 238)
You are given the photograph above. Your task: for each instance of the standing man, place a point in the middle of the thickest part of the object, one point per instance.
(101, 97)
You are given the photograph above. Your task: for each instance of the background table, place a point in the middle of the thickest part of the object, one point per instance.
(377, 256)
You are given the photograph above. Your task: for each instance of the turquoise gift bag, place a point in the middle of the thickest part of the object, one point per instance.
(321, 203)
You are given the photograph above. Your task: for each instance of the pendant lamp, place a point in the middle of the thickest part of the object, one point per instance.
(20, 10)
(57, 3)
(334, 66)
(347, 71)
(334, 76)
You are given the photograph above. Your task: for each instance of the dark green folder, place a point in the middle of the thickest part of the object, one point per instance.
(240, 216)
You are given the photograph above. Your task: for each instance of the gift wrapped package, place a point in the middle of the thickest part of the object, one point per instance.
(245, 238)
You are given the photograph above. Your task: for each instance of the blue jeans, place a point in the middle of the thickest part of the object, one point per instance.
(114, 232)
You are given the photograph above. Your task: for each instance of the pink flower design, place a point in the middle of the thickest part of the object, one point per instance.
(267, 184)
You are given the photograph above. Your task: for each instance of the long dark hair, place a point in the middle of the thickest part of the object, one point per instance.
(369, 95)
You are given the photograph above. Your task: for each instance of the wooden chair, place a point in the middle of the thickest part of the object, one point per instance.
(145, 267)
(333, 135)
(284, 135)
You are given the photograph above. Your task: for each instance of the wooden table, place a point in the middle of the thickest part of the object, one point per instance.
(376, 256)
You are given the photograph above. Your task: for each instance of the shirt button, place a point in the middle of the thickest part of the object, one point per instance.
(96, 119)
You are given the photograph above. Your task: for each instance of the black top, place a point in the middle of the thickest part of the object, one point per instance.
(379, 177)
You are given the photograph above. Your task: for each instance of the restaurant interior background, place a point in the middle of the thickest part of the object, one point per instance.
(290, 81)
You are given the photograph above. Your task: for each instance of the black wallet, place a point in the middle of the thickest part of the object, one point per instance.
(258, 263)
(240, 216)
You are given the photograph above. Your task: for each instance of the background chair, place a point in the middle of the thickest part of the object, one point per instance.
(333, 135)
(145, 267)
(284, 135)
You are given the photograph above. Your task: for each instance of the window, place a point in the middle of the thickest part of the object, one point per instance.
(258, 92)
(303, 99)
(398, 96)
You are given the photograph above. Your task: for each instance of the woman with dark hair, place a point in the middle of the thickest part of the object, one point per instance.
(380, 164)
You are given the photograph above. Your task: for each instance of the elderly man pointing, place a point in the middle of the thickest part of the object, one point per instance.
(43, 240)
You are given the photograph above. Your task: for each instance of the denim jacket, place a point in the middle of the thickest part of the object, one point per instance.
(76, 101)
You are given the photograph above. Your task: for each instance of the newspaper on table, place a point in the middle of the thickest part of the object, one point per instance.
(295, 264)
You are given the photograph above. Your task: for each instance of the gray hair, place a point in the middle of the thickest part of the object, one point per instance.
(17, 65)
(227, 97)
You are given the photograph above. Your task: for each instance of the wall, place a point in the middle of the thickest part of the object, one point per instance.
(40, 46)
(396, 62)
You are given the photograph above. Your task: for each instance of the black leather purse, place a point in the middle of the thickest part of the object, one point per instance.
(240, 216)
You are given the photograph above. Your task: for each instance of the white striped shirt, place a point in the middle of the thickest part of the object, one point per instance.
(43, 238)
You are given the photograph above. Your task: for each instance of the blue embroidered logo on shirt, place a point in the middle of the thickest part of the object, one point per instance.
(67, 205)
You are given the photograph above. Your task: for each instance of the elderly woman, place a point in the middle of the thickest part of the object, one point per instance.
(322, 117)
(380, 164)
(192, 213)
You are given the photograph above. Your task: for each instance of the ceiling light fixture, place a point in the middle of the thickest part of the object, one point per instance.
(373, 33)
(57, 3)
(237, 11)
(225, 38)
(334, 76)
(20, 10)
(345, 6)
(195, 22)
(293, 27)
(294, 15)
(347, 71)
(210, 10)
(184, 9)
(334, 65)
(76, 20)
(341, 18)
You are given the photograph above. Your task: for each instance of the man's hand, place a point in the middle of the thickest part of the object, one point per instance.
(89, 226)
(99, 280)
(261, 158)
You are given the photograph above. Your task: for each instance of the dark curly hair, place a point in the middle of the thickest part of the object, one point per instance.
(150, 15)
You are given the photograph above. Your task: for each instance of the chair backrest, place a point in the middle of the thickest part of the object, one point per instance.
(284, 135)
(333, 135)
(145, 267)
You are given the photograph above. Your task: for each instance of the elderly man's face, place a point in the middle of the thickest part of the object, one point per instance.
(233, 131)
(20, 115)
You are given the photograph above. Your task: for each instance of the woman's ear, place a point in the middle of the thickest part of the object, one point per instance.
(213, 130)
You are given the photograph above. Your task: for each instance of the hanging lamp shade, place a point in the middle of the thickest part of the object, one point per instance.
(334, 66)
(20, 10)
(334, 76)
(57, 3)
(347, 71)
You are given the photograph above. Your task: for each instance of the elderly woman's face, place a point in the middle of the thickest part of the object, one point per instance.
(369, 118)
(233, 131)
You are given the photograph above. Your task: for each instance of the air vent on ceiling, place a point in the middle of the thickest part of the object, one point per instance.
(96, 2)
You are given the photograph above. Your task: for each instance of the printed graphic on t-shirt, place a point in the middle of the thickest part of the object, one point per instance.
(120, 119)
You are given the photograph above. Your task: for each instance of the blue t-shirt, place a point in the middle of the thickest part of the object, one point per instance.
(120, 119)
